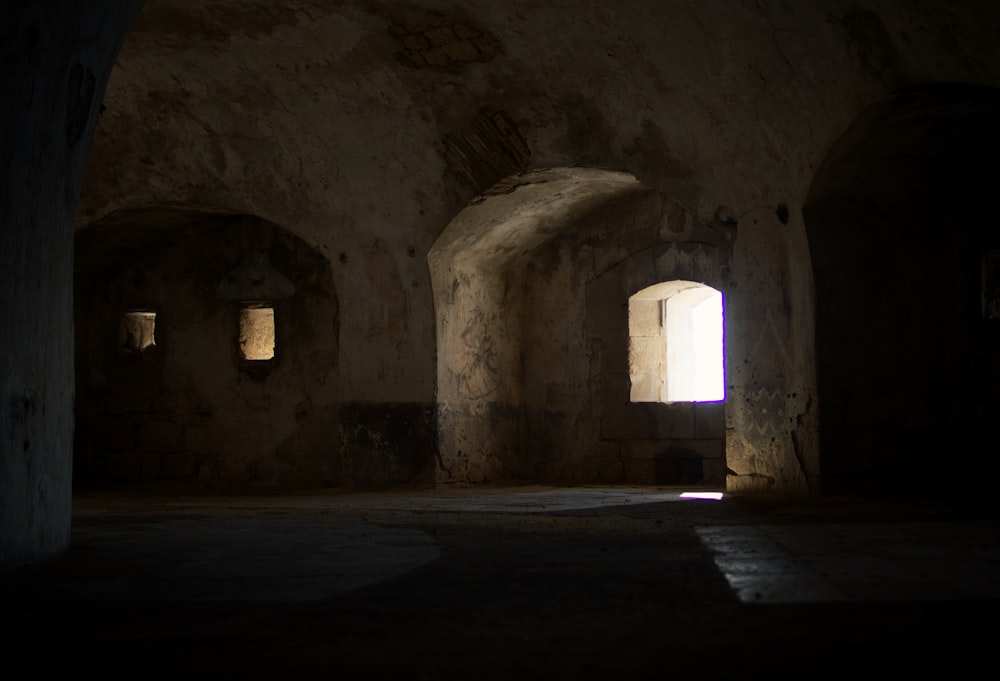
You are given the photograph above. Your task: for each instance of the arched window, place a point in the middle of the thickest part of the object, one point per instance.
(676, 349)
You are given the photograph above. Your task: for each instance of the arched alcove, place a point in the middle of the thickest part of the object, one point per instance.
(531, 288)
(655, 441)
(478, 269)
(902, 244)
(206, 355)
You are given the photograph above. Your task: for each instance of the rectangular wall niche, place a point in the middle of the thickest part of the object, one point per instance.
(257, 333)
(137, 329)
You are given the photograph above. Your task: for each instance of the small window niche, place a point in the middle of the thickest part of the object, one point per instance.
(257, 333)
(137, 331)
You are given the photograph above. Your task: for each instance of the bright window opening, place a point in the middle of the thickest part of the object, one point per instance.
(137, 331)
(676, 353)
(257, 333)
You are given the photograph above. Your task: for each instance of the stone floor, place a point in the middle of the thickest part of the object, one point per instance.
(520, 583)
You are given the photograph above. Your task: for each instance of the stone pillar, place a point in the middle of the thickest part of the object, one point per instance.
(772, 440)
(57, 57)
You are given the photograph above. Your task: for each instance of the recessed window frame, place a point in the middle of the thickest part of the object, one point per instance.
(668, 323)
(137, 331)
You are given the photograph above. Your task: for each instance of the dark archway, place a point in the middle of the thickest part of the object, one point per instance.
(900, 223)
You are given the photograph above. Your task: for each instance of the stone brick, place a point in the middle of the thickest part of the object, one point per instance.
(127, 405)
(675, 420)
(461, 51)
(151, 464)
(647, 353)
(644, 318)
(606, 316)
(124, 466)
(209, 468)
(640, 471)
(710, 419)
(178, 466)
(203, 440)
(487, 45)
(466, 32)
(412, 58)
(702, 448)
(415, 42)
(628, 421)
(673, 462)
(138, 380)
(609, 467)
(161, 437)
(114, 433)
(714, 471)
(435, 57)
(680, 471)
(440, 35)
(645, 387)
(165, 406)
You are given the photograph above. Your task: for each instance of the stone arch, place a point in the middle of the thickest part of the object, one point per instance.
(899, 232)
(192, 410)
(530, 283)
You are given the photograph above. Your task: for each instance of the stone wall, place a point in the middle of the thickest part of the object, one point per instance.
(368, 131)
(372, 132)
(550, 400)
(190, 410)
(651, 442)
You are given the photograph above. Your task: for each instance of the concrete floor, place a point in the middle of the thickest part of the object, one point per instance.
(522, 583)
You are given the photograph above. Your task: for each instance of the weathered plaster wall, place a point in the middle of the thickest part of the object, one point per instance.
(532, 286)
(366, 128)
(479, 375)
(189, 410)
(56, 61)
(503, 305)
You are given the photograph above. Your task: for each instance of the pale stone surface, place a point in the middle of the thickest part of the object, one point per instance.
(257, 333)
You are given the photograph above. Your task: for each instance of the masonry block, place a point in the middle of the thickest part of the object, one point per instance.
(710, 419)
(161, 437)
(114, 433)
